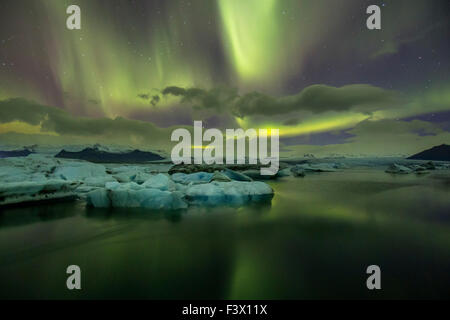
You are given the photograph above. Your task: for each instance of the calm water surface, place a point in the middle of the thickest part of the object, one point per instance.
(315, 240)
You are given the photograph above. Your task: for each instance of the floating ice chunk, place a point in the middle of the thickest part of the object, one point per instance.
(123, 177)
(418, 169)
(228, 193)
(298, 171)
(340, 165)
(157, 199)
(317, 167)
(112, 185)
(98, 181)
(98, 199)
(429, 165)
(130, 186)
(206, 194)
(399, 169)
(79, 171)
(85, 189)
(237, 176)
(198, 177)
(130, 169)
(161, 182)
(126, 197)
(13, 174)
(19, 192)
(132, 176)
(255, 174)
(140, 177)
(323, 167)
(284, 172)
(219, 176)
(178, 177)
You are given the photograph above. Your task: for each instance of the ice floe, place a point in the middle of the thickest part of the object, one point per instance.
(398, 169)
(135, 196)
(232, 193)
(20, 192)
(38, 177)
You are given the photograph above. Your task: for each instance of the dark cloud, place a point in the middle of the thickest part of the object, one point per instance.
(18, 109)
(320, 98)
(175, 91)
(218, 98)
(155, 100)
(143, 96)
(316, 99)
(63, 123)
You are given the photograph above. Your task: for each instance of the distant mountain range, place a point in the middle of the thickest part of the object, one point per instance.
(99, 156)
(438, 153)
(15, 153)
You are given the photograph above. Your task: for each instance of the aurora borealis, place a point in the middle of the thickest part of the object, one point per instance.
(310, 68)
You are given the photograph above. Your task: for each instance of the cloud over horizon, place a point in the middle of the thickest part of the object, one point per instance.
(316, 99)
(52, 120)
(57, 126)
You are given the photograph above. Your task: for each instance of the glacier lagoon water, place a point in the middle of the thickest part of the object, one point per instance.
(314, 240)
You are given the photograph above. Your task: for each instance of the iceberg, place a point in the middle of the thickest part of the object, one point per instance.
(38, 177)
(98, 181)
(198, 177)
(398, 169)
(19, 192)
(135, 196)
(98, 198)
(317, 167)
(228, 193)
(79, 171)
(219, 176)
(161, 182)
(298, 171)
(132, 176)
(237, 176)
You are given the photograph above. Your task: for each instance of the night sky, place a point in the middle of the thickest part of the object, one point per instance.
(137, 69)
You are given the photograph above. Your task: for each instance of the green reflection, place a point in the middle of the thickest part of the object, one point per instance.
(314, 241)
